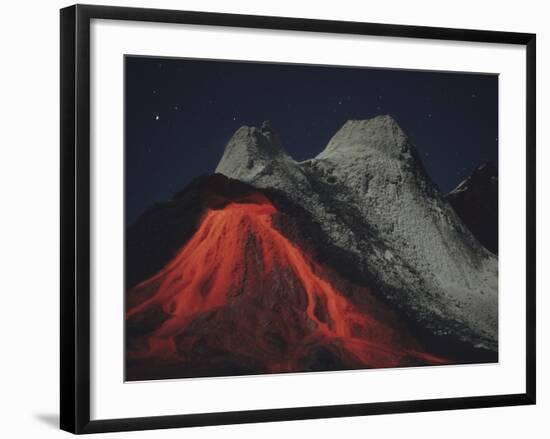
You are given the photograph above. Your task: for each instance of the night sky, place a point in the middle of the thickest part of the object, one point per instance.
(180, 114)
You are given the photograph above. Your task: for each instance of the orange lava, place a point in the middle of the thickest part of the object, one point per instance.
(240, 285)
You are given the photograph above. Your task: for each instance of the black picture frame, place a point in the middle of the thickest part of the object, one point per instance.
(75, 218)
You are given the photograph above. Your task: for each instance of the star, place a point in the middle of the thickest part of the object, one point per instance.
(176, 107)
(154, 92)
(234, 118)
(339, 102)
(157, 116)
(429, 115)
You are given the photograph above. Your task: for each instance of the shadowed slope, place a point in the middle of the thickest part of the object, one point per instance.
(475, 200)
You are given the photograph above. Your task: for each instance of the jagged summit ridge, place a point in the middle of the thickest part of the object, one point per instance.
(369, 193)
(256, 154)
(251, 150)
(358, 138)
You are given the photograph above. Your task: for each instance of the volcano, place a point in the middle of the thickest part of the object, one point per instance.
(348, 260)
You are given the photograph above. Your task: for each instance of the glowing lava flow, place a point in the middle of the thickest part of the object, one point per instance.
(239, 285)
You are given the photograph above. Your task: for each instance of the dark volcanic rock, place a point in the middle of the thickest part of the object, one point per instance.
(475, 200)
(157, 234)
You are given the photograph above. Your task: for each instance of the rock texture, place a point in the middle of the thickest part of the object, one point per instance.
(370, 196)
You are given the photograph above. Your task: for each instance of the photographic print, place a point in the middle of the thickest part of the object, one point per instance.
(286, 218)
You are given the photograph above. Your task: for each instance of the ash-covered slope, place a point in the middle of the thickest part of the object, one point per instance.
(475, 200)
(368, 193)
(256, 153)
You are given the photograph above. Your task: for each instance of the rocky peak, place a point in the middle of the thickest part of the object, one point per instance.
(360, 138)
(266, 126)
(250, 150)
(484, 177)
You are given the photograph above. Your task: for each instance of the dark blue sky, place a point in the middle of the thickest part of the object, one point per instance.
(180, 114)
